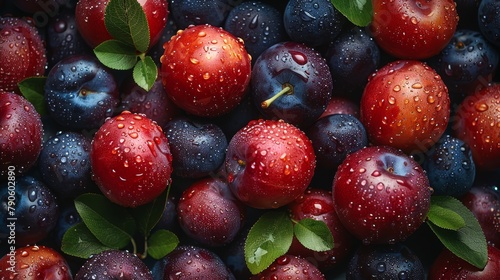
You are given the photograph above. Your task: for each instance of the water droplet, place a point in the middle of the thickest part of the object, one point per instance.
(299, 57)
(481, 107)
(396, 88)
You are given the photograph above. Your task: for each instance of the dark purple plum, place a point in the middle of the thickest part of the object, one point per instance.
(466, 64)
(385, 261)
(192, 262)
(154, 103)
(63, 38)
(35, 209)
(198, 147)
(68, 217)
(259, 24)
(314, 23)
(352, 57)
(195, 12)
(334, 137)
(341, 105)
(114, 264)
(80, 92)
(489, 21)
(450, 167)
(209, 213)
(290, 267)
(483, 200)
(233, 255)
(64, 164)
(292, 82)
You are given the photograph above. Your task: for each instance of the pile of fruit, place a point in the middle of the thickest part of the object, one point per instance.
(233, 139)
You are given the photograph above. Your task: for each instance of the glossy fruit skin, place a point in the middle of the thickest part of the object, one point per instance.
(341, 105)
(205, 70)
(35, 262)
(90, 20)
(405, 105)
(131, 159)
(198, 147)
(410, 29)
(484, 202)
(466, 64)
(450, 167)
(194, 12)
(317, 204)
(193, 262)
(352, 57)
(114, 264)
(387, 261)
(269, 163)
(209, 213)
(302, 69)
(36, 209)
(381, 195)
(80, 92)
(448, 266)
(489, 24)
(153, 103)
(334, 137)
(313, 23)
(63, 38)
(21, 134)
(477, 123)
(64, 164)
(22, 52)
(258, 23)
(290, 267)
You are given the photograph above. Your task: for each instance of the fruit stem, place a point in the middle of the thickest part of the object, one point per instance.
(145, 253)
(287, 89)
(134, 246)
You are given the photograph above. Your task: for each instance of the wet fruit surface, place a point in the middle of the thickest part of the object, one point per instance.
(131, 159)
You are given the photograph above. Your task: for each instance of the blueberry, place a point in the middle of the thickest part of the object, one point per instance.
(466, 64)
(385, 261)
(450, 167)
(312, 22)
(334, 137)
(352, 57)
(64, 164)
(198, 148)
(195, 12)
(259, 24)
(80, 92)
(35, 209)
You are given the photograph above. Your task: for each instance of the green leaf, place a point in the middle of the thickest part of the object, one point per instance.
(126, 21)
(468, 242)
(269, 238)
(116, 55)
(162, 242)
(145, 73)
(79, 242)
(359, 12)
(32, 89)
(148, 215)
(314, 235)
(442, 213)
(110, 223)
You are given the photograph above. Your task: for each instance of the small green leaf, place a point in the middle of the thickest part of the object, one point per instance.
(314, 235)
(359, 12)
(32, 89)
(269, 238)
(110, 223)
(145, 73)
(126, 21)
(162, 242)
(148, 215)
(116, 55)
(79, 242)
(468, 242)
(442, 213)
